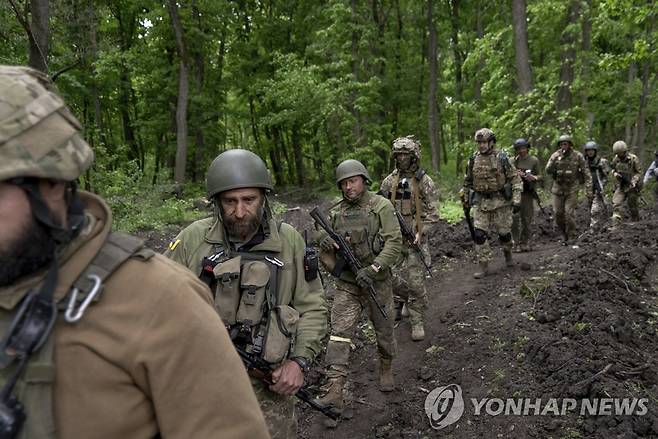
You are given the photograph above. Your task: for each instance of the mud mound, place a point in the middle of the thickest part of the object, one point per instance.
(449, 240)
(595, 330)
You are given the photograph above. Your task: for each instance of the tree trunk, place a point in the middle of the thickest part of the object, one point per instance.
(198, 171)
(398, 67)
(454, 22)
(183, 95)
(357, 130)
(520, 24)
(40, 31)
(299, 157)
(586, 49)
(642, 112)
(564, 95)
(433, 118)
(632, 74)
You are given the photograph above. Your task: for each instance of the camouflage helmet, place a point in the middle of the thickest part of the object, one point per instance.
(564, 138)
(484, 135)
(236, 169)
(619, 146)
(521, 143)
(350, 168)
(591, 145)
(406, 144)
(39, 136)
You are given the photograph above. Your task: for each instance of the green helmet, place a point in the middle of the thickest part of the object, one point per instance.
(235, 169)
(406, 144)
(39, 136)
(521, 143)
(591, 145)
(350, 168)
(564, 138)
(619, 146)
(485, 134)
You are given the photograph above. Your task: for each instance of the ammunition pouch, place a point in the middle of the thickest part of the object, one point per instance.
(507, 191)
(280, 333)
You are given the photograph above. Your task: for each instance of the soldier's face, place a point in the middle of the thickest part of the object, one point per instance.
(483, 146)
(403, 160)
(352, 187)
(590, 152)
(25, 245)
(564, 146)
(242, 210)
(522, 152)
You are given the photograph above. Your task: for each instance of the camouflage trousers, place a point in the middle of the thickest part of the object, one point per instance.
(349, 303)
(498, 220)
(564, 207)
(522, 221)
(279, 411)
(598, 212)
(618, 198)
(409, 282)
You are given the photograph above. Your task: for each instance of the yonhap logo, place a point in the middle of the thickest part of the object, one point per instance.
(444, 406)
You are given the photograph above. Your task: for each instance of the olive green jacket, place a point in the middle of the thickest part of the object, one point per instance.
(198, 239)
(381, 223)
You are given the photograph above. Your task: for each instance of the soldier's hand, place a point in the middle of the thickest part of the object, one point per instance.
(287, 378)
(328, 244)
(417, 238)
(365, 277)
(516, 208)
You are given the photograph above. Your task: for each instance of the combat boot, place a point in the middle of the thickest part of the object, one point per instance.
(484, 269)
(334, 393)
(508, 257)
(417, 332)
(386, 382)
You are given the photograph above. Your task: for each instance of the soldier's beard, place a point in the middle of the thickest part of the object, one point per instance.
(32, 250)
(245, 227)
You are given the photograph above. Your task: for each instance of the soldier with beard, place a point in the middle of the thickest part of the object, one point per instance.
(412, 193)
(137, 351)
(273, 307)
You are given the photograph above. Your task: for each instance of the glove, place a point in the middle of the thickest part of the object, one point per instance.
(464, 198)
(365, 277)
(516, 208)
(327, 243)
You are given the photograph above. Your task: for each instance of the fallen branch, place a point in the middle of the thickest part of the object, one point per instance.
(618, 278)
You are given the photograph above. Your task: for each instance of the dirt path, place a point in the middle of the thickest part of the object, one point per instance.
(463, 345)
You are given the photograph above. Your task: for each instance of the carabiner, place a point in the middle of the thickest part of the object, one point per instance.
(72, 315)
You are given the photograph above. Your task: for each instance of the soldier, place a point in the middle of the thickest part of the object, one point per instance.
(628, 173)
(492, 186)
(568, 169)
(599, 168)
(653, 172)
(255, 266)
(368, 221)
(527, 168)
(138, 351)
(413, 197)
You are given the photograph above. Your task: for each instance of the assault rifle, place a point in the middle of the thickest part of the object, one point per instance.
(410, 236)
(346, 253)
(261, 370)
(467, 213)
(598, 190)
(533, 192)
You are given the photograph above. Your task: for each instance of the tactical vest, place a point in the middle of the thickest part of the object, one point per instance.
(35, 385)
(567, 170)
(488, 172)
(405, 197)
(624, 167)
(245, 287)
(353, 224)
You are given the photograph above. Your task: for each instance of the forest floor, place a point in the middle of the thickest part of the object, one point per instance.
(576, 323)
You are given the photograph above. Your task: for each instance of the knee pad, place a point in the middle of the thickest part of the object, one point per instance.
(506, 237)
(480, 236)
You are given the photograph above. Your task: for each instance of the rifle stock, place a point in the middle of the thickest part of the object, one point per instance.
(409, 235)
(259, 369)
(346, 253)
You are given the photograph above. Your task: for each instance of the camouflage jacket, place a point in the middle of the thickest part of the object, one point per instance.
(630, 170)
(599, 168)
(487, 175)
(568, 171)
(404, 196)
(528, 163)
